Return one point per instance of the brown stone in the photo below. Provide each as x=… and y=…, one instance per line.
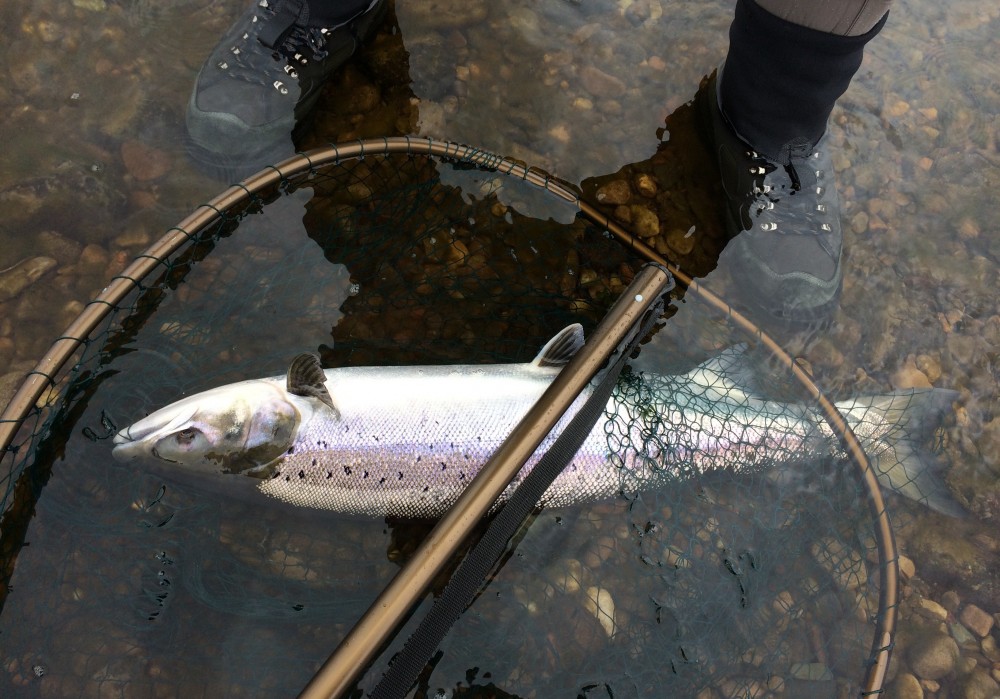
x=934, y=657
x=616, y=192
x=645, y=223
x=976, y=620
x=906, y=686
x=601, y=84
x=680, y=242
x=646, y=185
x=145, y=162
x=16, y=279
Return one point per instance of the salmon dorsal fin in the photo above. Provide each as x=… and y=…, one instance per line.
x=306, y=378
x=560, y=349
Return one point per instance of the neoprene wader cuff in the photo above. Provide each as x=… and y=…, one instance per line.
x=781, y=80
x=326, y=13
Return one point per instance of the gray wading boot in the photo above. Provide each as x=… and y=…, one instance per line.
x=262, y=80
x=765, y=118
x=784, y=224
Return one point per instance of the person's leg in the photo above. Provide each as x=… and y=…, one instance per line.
x=264, y=77
x=843, y=17
x=783, y=78
x=788, y=63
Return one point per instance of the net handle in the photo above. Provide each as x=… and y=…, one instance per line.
x=44, y=373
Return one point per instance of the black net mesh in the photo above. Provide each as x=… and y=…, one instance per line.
x=740, y=559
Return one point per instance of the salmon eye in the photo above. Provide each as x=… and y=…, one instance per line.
x=185, y=437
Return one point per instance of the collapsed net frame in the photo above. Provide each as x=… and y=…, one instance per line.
x=29, y=413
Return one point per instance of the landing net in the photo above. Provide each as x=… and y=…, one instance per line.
x=773, y=578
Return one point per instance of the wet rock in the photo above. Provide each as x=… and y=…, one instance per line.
x=72, y=199
x=906, y=567
x=965, y=665
x=561, y=133
x=386, y=58
x=930, y=686
x=680, y=242
x=363, y=99
x=9, y=383
x=844, y=565
x=645, y=223
x=951, y=601
x=443, y=14
x=980, y=685
x=646, y=185
x=614, y=193
x=6, y=351
x=64, y=250
x=584, y=633
x=990, y=649
x=93, y=260
x=906, y=686
x=598, y=602
x=144, y=162
x=14, y=280
x=859, y=222
x=135, y=236
x=963, y=638
x=989, y=442
x=934, y=656
x=963, y=348
x=938, y=548
x=909, y=376
x=968, y=229
x=600, y=84
x=929, y=365
x=991, y=331
x=976, y=620
x=933, y=609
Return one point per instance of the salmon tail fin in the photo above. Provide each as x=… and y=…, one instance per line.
x=894, y=429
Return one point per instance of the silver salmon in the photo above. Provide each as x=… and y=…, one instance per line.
x=405, y=441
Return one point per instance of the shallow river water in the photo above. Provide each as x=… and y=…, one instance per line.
x=93, y=170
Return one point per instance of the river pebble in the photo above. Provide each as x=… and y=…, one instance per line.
x=934, y=657
x=645, y=223
x=980, y=685
x=907, y=569
x=991, y=650
x=845, y=565
x=14, y=280
x=906, y=686
x=145, y=162
x=614, y=193
x=976, y=620
x=909, y=376
x=598, y=602
x=933, y=609
x=963, y=637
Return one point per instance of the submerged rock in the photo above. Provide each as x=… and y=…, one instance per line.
x=980, y=686
x=976, y=620
x=14, y=280
x=934, y=657
x=906, y=686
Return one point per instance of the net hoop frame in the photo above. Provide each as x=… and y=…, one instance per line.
x=301, y=165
